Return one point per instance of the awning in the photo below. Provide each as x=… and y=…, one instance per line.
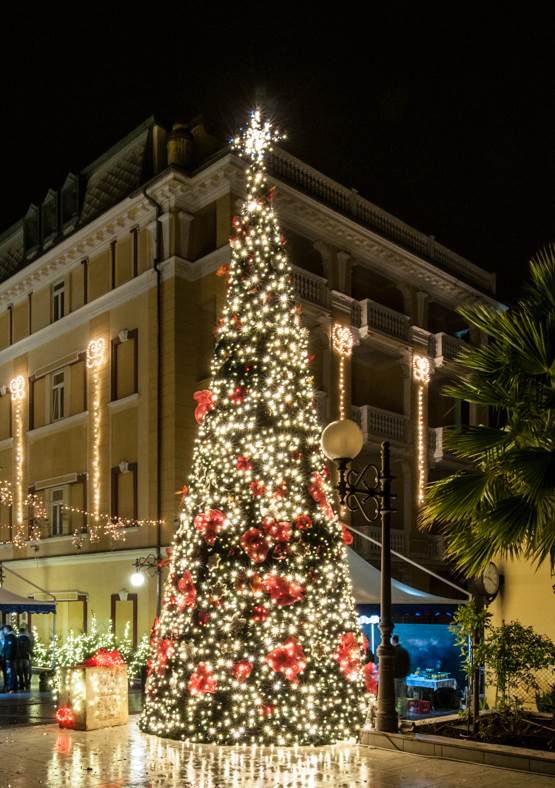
x=366, y=581
x=13, y=603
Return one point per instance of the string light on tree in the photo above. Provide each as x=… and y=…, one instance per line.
x=95, y=362
x=421, y=373
x=342, y=342
x=257, y=609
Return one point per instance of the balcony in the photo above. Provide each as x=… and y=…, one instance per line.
x=437, y=450
x=381, y=424
x=371, y=317
x=310, y=287
x=398, y=540
x=427, y=548
x=446, y=348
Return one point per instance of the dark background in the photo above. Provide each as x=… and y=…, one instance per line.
x=445, y=121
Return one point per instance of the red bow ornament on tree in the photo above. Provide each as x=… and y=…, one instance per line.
x=280, y=531
x=210, y=523
x=202, y=680
x=347, y=654
x=255, y=545
x=283, y=591
x=316, y=490
x=289, y=659
x=205, y=404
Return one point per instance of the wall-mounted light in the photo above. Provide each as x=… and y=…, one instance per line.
x=342, y=343
x=123, y=466
x=123, y=335
x=421, y=373
x=95, y=361
x=3, y=391
x=123, y=594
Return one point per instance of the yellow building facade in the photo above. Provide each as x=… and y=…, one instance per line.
x=109, y=295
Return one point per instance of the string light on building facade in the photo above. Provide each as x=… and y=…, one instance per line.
x=421, y=373
x=17, y=391
x=342, y=343
x=95, y=362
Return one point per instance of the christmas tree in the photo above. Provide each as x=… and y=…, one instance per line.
x=258, y=639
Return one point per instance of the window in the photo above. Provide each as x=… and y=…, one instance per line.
x=57, y=512
x=58, y=301
x=58, y=386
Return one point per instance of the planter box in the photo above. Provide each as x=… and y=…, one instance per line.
x=519, y=758
x=93, y=697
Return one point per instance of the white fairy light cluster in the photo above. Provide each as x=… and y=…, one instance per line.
x=342, y=343
x=17, y=391
x=421, y=372
x=95, y=362
x=258, y=640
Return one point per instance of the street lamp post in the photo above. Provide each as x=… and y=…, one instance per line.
x=369, y=492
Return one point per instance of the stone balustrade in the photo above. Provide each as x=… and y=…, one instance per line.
x=347, y=201
x=380, y=423
x=310, y=287
x=376, y=317
x=447, y=347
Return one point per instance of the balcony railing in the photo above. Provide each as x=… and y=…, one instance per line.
x=383, y=424
x=376, y=317
x=398, y=540
x=348, y=202
x=447, y=347
x=427, y=547
x=310, y=287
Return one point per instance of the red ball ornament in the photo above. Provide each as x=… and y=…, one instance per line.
x=209, y=523
x=255, y=545
x=202, y=680
x=259, y=614
x=242, y=670
x=237, y=396
x=289, y=659
x=281, y=551
x=202, y=617
x=280, y=531
x=205, y=404
x=303, y=521
x=267, y=710
x=243, y=463
x=283, y=591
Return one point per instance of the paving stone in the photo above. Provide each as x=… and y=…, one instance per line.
x=124, y=757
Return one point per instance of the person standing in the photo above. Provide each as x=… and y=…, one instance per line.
x=25, y=654
x=401, y=668
x=10, y=654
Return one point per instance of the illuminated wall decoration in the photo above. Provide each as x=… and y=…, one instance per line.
x=342, y=343
x=95, y=361
x=17, y=391
x=421, y=373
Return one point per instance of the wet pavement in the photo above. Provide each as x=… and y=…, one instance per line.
x=39, y=708
x=123, y=756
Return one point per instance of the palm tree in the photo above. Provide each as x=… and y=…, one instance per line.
x=504, y=502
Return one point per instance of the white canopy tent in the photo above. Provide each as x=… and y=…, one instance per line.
x=366, y=580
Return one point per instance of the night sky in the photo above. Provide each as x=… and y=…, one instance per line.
x=444, y=122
